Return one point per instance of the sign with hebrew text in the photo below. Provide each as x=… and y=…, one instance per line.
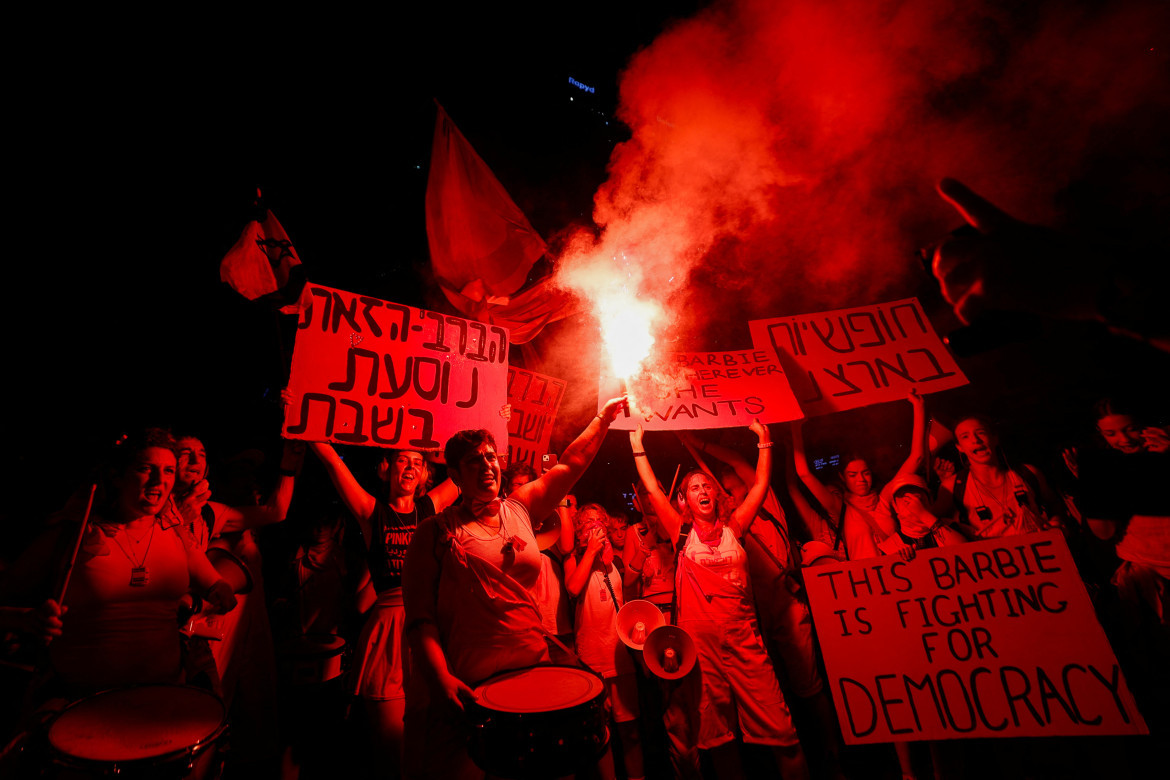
x=848, y=358
x=371, y=372
x=535, y=399
x=995, y=638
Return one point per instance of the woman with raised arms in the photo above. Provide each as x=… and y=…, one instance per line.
x=715, y=607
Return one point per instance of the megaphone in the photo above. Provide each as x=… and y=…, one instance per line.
x=636, y=620
x=669, y=652
x=232, y=569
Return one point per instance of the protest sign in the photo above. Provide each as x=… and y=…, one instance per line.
x=367, y=371
x=848, y=358
x=989, y=639
x=535, y=399
x=706, y=390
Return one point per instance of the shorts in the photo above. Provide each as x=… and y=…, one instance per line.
x=739, y=687
x=376, y=669
x=785, y=620
x=622, y=692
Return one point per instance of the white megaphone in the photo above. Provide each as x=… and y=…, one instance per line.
x=636, y=620
x=669, y=652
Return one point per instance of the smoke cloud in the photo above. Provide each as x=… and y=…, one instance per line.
x=784, y=154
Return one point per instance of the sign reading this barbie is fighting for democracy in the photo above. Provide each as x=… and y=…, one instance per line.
x=372, y=372
x=989, y=639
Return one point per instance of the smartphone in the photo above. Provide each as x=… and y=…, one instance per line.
x=547, y=461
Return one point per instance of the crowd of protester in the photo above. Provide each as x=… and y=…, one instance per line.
x=357, y=641
x=391, y=605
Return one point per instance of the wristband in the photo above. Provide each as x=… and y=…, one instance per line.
x=639, y=454
x=763, y=445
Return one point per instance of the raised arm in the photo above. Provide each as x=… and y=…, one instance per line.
x=736, y=461
x=827, y=498
x=814, y=522
x=275, y=510
x=359, y=503
x=667, y=517
x=745, y=513
x=542, y=495
x=577, y=572
x=443, y=494
x=917, y=458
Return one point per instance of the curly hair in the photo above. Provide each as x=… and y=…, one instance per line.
x=581, y=530
x=464, y=443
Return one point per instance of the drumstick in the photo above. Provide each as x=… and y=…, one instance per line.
x=76, y=545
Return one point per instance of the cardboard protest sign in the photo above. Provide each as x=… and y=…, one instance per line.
x=848, y=358
x=989, y=639
x=535, y=399
x=367, y=371
x=706, y=390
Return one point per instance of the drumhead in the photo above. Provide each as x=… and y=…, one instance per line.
x=141, y=722
x=539, y=689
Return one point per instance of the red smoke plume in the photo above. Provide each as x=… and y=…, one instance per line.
x=783, y=154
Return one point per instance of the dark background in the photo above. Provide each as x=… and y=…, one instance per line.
x=135, y=161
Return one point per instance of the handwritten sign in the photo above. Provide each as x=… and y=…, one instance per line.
x=990, y=639
x=367, y=371
x=535, y=399
x=848, y=358
x=707, y=390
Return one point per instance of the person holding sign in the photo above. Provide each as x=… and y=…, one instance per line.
x=784, y=618
x=471, y=589
x=866, y=531
x=715, y=606
x=387, y=525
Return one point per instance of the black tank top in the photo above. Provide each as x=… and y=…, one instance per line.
x=391, y=533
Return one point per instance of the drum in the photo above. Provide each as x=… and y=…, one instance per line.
x=542, y=721
x=311, y=659
x=147, y=731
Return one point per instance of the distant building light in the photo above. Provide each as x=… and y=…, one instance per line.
x=580, y=86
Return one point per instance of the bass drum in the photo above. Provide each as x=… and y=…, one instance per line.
x=542, y=721
x=143, y=731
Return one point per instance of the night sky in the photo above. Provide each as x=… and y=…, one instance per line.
x=137, y=155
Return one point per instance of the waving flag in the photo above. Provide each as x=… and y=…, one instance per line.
x=482, y=246
x=263, y=265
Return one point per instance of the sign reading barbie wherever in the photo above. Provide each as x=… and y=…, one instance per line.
x=535, y=399
x=367, y=371
x=848, y=358
x=989, y=639
x=706, y=390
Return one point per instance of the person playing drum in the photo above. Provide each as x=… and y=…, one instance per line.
x=715, y=607
x=469, y=590
x=120, y=621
